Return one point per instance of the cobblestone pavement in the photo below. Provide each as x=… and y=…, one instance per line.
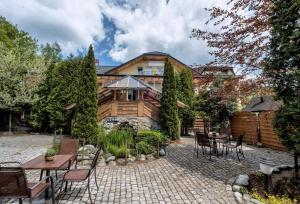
x=179, y=177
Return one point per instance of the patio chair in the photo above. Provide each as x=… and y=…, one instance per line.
x=67, y=146
x=203, y=141
x=13, y=183
x=238, y=146
x=81, y=175
x=196, y=130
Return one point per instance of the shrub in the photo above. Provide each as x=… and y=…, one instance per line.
x=97, y=139
x=143, y=147
x=272, y=199
x=118, y=152
x=153, y=137
x=117, y=142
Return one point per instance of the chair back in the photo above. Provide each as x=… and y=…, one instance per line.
x=13, y=183
x=68, y=146
x=225, y=131
x=202, y=139
x=240, y=139
x=95, y=159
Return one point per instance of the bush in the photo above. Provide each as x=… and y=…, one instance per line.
x=153, y=137
x=118, y=152
x=143, y=147
x=98, y=138
x=272, y=199
x=117, y=142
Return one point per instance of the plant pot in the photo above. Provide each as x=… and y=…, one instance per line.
x=49, y=158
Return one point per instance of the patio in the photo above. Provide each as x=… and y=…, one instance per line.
x=178, y=177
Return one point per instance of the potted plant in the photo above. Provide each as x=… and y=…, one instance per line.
x=49, y=156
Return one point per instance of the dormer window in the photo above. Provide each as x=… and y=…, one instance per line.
x=140, y=70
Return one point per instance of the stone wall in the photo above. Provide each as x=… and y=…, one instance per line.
x=138, y=123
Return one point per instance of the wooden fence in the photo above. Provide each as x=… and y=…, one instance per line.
x=258, y=128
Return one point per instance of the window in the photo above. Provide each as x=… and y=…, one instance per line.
x=140, y=71
x=148, y=71
x=132, y=95
x=160, y=71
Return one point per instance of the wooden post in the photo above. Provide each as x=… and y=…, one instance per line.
x=141, y=105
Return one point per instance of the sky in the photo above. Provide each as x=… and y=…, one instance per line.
x=119, y=30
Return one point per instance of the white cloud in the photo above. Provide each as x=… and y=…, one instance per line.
x=142, y=26
x=156, y=26
x=74, y=24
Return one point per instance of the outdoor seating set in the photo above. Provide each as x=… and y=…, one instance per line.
x=13, y=182
x=217, y=143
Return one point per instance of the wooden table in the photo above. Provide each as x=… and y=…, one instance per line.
x=40, y=163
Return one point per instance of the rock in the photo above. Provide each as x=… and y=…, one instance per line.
x=238, y=197
x=242, y=180
x=254, y=201
x=231, y=181
x=107, y=155
x=150, y=157
x=162, y=152
x=142, y=157
x=131, y=159
x=246, y=197
x=111, y=158
x=121, y=161
x=112, y=163
x=236, y=188
x=90, y=148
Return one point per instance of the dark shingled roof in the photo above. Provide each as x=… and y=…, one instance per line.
x=102, y=69
x=263, y=103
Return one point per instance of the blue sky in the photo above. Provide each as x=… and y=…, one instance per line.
x=118, y=29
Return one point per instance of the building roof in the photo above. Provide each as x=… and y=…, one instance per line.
x=212, y=68
x=154, y=53
x=129, y=82
x=102, y=69
x=263, y=103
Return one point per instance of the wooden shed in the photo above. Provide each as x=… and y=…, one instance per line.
x=256, y=120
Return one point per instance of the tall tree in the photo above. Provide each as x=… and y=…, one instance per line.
x=241, y=35
x=21, y=69
x=168, y=103
x=87, y=102
x=282, y=68
x=186, y=96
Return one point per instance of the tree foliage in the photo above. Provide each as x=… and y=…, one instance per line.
x=87, y=100
x=185, y=94
x=58, y=90
x=168, y=102
x=241, y=34
x=282, y=69
x=21, y=69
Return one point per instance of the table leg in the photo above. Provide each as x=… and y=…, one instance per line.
x=47, y=190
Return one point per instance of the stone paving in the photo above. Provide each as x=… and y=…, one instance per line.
x=179, y=177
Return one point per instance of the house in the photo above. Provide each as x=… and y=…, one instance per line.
x=131, y=91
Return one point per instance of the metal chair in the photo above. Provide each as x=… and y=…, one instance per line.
x=67, y=146
x=80, y=175
x=238, y=146
x=203, y=141
x=13, y=183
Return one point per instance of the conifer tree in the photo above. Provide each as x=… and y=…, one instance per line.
x=186, y=89
x=87, y=101
x=168, y=103
x=282, y=68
